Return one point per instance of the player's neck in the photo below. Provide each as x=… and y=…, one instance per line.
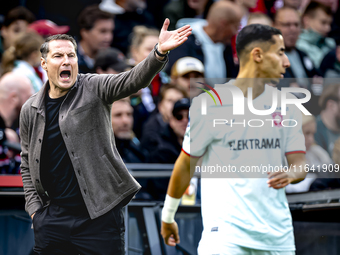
x=248, y=77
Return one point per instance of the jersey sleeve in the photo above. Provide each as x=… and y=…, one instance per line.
x=197, y=135
x=295, y=142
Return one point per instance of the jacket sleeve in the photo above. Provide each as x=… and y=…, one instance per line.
x=112, y=87
x=33, y=202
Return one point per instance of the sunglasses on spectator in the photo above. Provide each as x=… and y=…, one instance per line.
x=181, y=116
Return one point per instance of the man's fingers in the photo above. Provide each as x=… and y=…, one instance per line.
x=177, y=238
x=278, y=183
x=184, y=32
x=274, y=181
x=171, y=241
x=273, y=174
x=181, y=29
x=277, y=175
x=169, y=233
x=182, y=39
x=281, y=184
x=166, y=24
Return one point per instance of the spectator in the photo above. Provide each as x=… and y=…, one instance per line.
x=172, y=136
x=246, y=6
x=259, y=18
x=316, y=157
x=333, y=182
x=313, y=40
x=23, y=57
x=15, y=23
x=122, y=122
x=330, y=65
x=96, y=33
x=185, y=69
x=302, y=70
x=210, y=41
x=159, y=120
x=170, y=145
x=333, y=4
x=133, y=13
x=288, y=21
x=328, y=122
x=46, y=28
x=14, y=91
x=110, y=61
x=176, y=10
x=142, y=43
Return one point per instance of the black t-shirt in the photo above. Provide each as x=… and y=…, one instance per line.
x=56, y=170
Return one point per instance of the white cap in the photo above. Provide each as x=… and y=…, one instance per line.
x=186, y=65
x=111, y=7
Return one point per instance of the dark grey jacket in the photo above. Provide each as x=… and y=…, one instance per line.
x=85, y=124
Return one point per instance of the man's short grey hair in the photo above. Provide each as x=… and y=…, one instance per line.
x=44, y=49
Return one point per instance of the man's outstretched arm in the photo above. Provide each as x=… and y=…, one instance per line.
x=179, y=181
x=113, y=87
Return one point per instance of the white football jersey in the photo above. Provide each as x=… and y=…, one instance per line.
x=238, y=151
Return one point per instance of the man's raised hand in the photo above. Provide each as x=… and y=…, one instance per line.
x=169, y=40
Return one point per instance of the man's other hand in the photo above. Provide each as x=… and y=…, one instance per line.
x=169, y=233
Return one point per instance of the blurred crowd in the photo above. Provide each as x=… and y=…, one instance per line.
x=114, y=36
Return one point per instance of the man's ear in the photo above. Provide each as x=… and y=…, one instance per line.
x=257, y=55
x=43, y=63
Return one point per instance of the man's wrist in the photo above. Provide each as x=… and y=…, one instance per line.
x=159, y=52
x=169, y=209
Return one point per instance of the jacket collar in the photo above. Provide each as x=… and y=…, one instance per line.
x=39, y=101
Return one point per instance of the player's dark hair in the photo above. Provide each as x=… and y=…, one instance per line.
x=313, y=6
x=18, y=13
x=255, y=33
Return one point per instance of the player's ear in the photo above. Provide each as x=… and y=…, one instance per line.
x=257, y=55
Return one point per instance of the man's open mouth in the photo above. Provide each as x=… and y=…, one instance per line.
x=65, y=75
